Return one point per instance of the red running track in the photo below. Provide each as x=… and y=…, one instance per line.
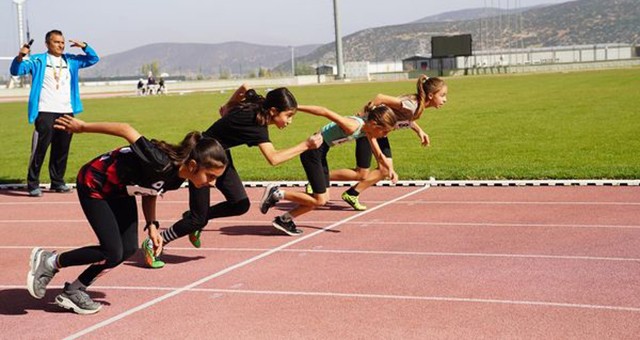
x=437, y=263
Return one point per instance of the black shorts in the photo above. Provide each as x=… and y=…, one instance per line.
x=229, y=184
x=316, y=167
x=363, y=151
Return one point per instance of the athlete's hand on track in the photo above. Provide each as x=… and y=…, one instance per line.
x=156, y=238
x=393, y=177
x=69, y=124
x=386, y=166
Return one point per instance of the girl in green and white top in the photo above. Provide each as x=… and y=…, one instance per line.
x=376, y=122
x=430, y=92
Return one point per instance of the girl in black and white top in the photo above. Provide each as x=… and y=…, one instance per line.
x=245, y=119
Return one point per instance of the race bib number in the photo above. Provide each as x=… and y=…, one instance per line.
x=403, y=124
x=135, y=190
x=341, y=141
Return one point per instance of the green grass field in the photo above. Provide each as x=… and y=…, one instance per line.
x=582, y=125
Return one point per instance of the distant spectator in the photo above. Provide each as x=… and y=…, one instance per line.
x=141, y=87
x=151, y=80
x=151, y=83
x=161, y=88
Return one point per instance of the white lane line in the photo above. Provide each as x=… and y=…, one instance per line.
x=433, y=298
x=373, y=296
x=376, y=252
x=222, y=223
x=430, y=202
x=520, y=202
x=232, y=268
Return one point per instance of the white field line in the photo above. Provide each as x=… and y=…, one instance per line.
x=427, y=202
x=451, y=299
x=376, y=252
x=222, y=223
x=232, y=268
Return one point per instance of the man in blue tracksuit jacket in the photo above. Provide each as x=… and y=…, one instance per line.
x=54, y=91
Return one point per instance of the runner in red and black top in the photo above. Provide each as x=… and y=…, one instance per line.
x=111, y=175
x=107, y=187
x=245, y=120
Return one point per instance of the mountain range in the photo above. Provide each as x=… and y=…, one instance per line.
x=194, y=60
x=582, y=22
x=578, y=22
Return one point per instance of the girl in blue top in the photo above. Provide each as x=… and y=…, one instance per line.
x=375, y=123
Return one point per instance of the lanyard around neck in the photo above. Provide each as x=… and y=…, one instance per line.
x=57, y=75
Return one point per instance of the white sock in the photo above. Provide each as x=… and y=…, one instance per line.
x=278, y=194
x=286, y=217
x=51, y=262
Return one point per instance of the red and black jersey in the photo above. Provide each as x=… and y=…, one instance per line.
x=138, y=169
x=238, y=127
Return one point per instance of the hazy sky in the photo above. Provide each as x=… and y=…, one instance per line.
x=118, y=25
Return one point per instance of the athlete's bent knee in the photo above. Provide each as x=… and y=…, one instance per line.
x=240, y=207
x=361, y=174
x=114, y=258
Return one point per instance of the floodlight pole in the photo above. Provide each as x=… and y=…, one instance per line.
x=338, y=41
x=20, y=21
x=293, y=63
x=18, y=80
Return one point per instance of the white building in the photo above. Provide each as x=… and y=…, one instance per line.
x=549, y=55
x=366, y=70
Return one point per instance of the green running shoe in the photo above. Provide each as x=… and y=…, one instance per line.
x=149, y=256
x=308, y=189
x=194, y=238
x=353, y=202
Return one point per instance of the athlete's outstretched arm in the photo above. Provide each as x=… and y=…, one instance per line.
x=275, y=157
x=393, y=102
x=348, y=125
x=74, y=125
